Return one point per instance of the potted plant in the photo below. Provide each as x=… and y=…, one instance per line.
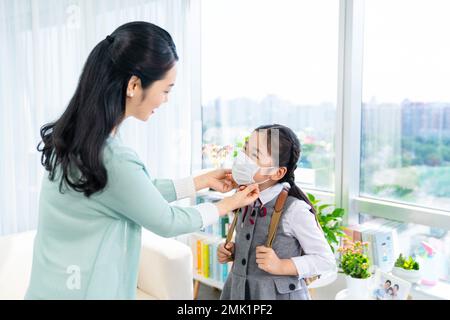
x=330, y=221
x=407, y=269
x=355, y=264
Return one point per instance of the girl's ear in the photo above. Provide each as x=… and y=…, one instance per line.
x=279, y=174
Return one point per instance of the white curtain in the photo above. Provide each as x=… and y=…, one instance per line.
x=44, y=46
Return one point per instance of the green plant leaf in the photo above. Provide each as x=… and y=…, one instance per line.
x=311, y=197
x=333, y=237
x=324, y=206
x=338, y=212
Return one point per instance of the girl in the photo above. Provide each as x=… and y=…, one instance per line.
x=299, y=250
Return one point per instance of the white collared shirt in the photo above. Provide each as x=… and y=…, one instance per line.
x=299, y=222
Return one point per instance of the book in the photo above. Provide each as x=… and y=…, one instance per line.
x=382, y=238
x=205, y=259
x=199, y=256
x=211, y=259
x=217, y=265
x=219, y=229
x=224, y=273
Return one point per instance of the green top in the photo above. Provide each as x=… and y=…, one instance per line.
x=88, y=248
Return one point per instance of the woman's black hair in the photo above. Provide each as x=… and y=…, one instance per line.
x=74, y=143
x=289, y=154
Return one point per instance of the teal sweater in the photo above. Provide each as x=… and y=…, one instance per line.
x=88, y=248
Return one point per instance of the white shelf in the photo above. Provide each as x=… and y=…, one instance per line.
x=214, y=194
x=208, y=281
x=208, y=235
x=441, y=291
x=344, y=295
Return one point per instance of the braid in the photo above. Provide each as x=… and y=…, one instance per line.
x=295, y=155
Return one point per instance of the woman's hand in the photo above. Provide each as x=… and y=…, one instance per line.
x=268, y=261
x=219, y=180
x=243, y=197
x=225, y=252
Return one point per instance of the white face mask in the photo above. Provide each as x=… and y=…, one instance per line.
x=244, y=170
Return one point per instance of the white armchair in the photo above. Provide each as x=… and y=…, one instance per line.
x=165, y=270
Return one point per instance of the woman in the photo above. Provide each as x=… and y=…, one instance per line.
x=98, y=193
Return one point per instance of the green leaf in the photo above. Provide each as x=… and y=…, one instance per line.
x=333, y=237
x=311, y=197
x=338, y=212
x=324, y=206
x=340, y=233
x=407, y=264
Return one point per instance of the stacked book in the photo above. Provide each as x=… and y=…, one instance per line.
x=205, y=258
x=218, y=229
x=204, y=244
x=382, y=238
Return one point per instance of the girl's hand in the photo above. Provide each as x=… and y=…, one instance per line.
x=268, y=261
x=242, y=198
x=225, y=252
x=219, y=180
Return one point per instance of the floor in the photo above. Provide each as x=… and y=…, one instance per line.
x=208, y=293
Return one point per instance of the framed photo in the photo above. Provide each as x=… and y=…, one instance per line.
x=389, y=287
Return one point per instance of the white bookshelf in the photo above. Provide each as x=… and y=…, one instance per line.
x=189, y=239
x=208, y=281
x=197, y=277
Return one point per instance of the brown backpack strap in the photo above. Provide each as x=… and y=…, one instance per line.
x=276, y=216
x=232, y=227
x=275, y=220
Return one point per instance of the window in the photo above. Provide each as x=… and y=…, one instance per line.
x=405, y=145
x=272, y=62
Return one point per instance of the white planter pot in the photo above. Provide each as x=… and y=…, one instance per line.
x=412, y=276
x=358, y=289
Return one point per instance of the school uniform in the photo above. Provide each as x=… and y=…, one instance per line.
x=298, y=237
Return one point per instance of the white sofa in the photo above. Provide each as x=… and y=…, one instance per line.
x=165, y=270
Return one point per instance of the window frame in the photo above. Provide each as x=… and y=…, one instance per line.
x=347, y=142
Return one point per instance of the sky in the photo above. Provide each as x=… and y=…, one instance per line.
x=254, y=48
x=407, y=50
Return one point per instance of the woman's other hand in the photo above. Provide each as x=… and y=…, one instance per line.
x=219, y=180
